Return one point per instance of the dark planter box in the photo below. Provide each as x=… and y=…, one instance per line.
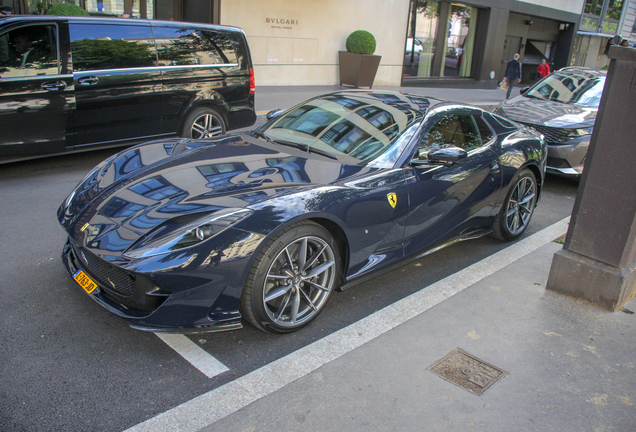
x=358, y=70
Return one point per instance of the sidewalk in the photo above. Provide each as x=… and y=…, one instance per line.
x=274, y=97
x=570, y=367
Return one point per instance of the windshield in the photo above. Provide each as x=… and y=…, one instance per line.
x=570, y=87
x=358, y=129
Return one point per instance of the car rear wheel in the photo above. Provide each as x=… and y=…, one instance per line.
x=203, y=123
x=292, y=279
x=516, y=212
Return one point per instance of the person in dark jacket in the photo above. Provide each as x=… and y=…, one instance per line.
x=513, y=73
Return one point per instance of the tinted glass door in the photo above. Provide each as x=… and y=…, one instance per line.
x=196, y=62
x=448, y=201
x=35, y=98
x=117, y=84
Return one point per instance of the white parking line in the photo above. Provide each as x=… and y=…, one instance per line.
x=212, y=406
x=198, y=357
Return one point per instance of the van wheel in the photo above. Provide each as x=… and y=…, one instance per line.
x=203, y=123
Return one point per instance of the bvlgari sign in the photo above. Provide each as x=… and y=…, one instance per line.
x=281, y=23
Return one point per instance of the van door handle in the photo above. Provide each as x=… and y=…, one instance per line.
x=53, y=86
x=88, y=81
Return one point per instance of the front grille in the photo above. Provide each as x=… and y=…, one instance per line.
x=109, y=276
x=552, y=135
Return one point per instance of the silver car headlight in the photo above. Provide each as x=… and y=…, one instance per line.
x=188, y=236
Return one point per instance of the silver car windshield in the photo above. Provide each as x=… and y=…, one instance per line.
x=570, y=88
x=354, y=129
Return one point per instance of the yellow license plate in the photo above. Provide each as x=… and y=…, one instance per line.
x=84, y=281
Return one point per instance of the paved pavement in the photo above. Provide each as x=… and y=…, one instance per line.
x=540, y=361
x=274, y=97
x=568, y=367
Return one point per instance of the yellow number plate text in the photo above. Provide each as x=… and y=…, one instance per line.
x=84, y=281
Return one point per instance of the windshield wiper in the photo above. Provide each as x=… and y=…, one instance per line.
x=262, y=135
x=306, y=148
x=322, y=153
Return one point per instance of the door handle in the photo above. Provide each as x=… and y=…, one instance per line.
x=494, y=167
x=88, y=81
x=53, y=86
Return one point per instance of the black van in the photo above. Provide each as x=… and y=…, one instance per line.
x=76, y=83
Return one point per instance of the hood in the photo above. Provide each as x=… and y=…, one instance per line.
x=171, y=183
x=543, y=112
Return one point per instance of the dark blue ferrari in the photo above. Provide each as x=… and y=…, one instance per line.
x=188, y=235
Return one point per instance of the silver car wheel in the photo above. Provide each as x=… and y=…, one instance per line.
x=299, y=281
x=521, y=205
x=206, y=126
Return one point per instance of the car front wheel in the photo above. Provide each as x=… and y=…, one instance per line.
x=292, y=279
x=516, y=212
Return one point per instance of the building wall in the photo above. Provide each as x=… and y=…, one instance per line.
x=300, y=40
x=629, y=13
x=574, y=6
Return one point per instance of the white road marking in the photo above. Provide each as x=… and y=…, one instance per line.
x=197, y=356
x=216, y=404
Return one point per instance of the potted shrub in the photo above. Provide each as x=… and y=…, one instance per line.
x=66, y=9
x=358, y=65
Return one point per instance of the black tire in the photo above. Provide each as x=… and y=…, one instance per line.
x=203, y=123
x=282, y=296
x=516, y=212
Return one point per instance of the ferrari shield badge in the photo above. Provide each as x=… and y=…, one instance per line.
x=392, y=197
x=86, y=225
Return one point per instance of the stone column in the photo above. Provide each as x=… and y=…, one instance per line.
x=598, y=261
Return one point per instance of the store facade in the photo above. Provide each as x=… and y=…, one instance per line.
x=601, y=22
x=422, y=42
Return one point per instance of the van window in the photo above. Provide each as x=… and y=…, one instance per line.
x=188, y=46
x=29, y=51
x=98, y=47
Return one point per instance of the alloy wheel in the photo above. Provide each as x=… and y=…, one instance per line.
x=521, y=205
x=206, y=126
x=299, y=281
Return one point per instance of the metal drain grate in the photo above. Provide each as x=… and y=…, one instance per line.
x=467, y=371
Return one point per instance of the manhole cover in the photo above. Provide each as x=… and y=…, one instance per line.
x=467, y=371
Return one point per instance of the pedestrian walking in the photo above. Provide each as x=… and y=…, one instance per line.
x=543, y=70
x=513, y=73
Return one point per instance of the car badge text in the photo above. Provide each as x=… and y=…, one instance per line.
x=392, y=197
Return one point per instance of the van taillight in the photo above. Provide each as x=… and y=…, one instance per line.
x=252, y=82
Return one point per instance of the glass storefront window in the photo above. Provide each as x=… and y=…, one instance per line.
x=455, y=49
x=98, y=7
x=420, y=44
x=593, y=19
x=460, y=41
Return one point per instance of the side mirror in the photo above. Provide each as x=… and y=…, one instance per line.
x=274, y=113
x=448, y=155
x=524, y=90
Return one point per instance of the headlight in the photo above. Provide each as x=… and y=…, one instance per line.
x=190, y=235
x=574, y=133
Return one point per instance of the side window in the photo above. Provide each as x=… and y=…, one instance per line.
x=97, y=47
x=188, y=46
x=484, y=130
x=29, y=51
x=451, y=130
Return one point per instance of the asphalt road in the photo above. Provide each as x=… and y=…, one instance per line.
x=66, y=364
